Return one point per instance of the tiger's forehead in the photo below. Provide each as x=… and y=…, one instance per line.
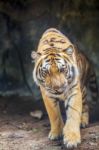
x=53, y=39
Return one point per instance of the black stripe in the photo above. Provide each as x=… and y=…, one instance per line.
x=84, y=111
x=52, y=39
x=54, y=47
x=92, y=76
x=92, y=81
x=94, y=89
x=58, y=55
x=57, y=58
x=84, y=96
x=39, y=70
x=84, y=103
x=55, y=92
x=58, y=41
x=48, y=60
x=71, y=97
x=46, y=49
x=58, y=93
x=55, y=100
x=73, y=86
x=73, y=108
x=66, y=59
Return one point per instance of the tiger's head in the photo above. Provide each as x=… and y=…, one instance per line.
x=54, y=71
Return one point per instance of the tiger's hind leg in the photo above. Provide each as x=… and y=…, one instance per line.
x=85, y=109
x=93, y=87
x=85, y=116
x=53, y=110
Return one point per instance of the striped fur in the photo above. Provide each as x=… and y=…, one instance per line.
x=64, y=73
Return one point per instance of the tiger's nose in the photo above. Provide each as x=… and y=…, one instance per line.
x=60, y=88
x=56, y=87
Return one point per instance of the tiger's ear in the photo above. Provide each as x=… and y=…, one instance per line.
x=35, y=55
x=69, y=50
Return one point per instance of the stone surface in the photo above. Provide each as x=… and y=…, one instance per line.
x=20, y=131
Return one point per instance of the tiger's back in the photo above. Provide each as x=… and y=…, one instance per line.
x=53, y=38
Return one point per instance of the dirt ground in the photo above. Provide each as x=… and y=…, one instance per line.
x=20, y=131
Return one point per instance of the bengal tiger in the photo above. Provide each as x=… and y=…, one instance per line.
x=63, y=73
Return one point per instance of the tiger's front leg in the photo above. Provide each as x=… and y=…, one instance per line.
x=71, y=129
x=54, y=114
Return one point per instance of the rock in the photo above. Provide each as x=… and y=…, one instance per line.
x=37, y=114
x=21, y=25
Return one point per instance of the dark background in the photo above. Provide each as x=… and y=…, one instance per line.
x=22, y=23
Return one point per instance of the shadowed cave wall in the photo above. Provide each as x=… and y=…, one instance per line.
x=22, y=23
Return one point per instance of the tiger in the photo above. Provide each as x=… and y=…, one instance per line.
x=64, y=73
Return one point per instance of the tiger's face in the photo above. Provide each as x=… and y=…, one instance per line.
x=54, y=70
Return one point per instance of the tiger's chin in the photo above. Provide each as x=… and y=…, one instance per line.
x=56, y=95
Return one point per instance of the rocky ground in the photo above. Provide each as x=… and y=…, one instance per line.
x=20, y=131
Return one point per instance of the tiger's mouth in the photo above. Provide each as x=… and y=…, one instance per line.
x=61, y=89
x=56, y=90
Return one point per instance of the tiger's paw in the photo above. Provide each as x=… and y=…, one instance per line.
x=84, y=124
x=71, y=139
x=53, y=135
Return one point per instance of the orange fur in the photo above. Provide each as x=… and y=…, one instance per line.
x=62, y=72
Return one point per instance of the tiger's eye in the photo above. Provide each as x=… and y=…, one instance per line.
x=64, y=66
